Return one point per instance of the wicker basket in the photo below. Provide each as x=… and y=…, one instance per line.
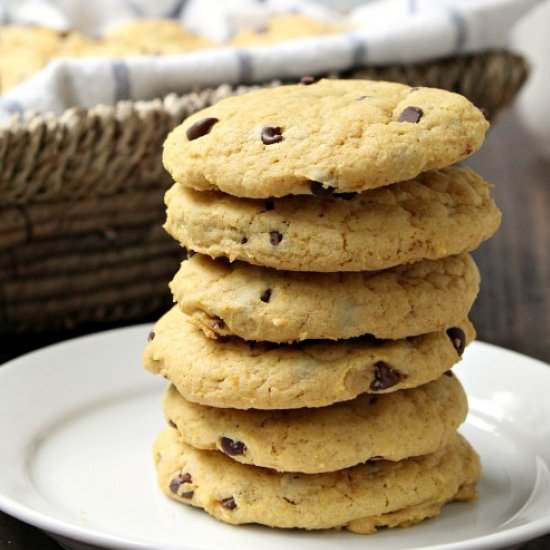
x=81, y=197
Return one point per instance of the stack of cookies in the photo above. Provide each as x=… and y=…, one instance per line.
x=326, y=301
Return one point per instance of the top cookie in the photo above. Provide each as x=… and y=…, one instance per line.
x=332, y=136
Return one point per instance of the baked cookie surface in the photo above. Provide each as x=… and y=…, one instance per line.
x=243, y=375
x=438, y=214
x=332, y=136
x=153, y=36
x=284, y=27
x=24, y=50
x=361, y=499
x=393, y=426
x=258, y=303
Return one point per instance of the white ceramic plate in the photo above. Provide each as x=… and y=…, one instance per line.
x=77, y=421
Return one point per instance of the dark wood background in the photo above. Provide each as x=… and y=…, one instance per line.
x=513, y=309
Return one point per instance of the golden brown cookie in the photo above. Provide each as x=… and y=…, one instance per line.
x=332, y=136
x=243, y=375
x=24, y=51
x=284, y=27
x=258, y=303
x=153, y=36
x=361, y=499
x=393, y=426
x=438, y=214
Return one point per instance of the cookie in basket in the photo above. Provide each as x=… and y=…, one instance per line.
x=284, y=27
x=24, y=50
x=153, y=36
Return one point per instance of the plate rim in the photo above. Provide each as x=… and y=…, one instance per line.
x=96, y=537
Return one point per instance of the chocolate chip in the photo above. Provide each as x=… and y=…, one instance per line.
x=187, y=494
x=275, y=238
x=361, y=97
x=271, y=134
x=244, y=240
x=186, y=478
x=290, y=501
x=232, y=447
x=384, y=376
x=175, y=485
x=269, y=205
x=178, y=481
x=172, y=423
x=151, y=336
x=345, y=196
x=458, y=339
x=485, y=113
x=468, y=150
x=200, y=128
x=266, y=295
x=411, y=114
x=218, y=322
x=449, y=373
x=229, y=503
x=319, y=190
x=307, y=80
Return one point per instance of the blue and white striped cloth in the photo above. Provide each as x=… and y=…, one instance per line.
x=386, y=31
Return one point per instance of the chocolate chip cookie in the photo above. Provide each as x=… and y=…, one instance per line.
x=284, y=27
x=328, y=137
x=361, y=499
x=438, y=214
x=393, y=426
x=244, y=375
x=258, y=303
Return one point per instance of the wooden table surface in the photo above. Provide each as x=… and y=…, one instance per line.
x=513, y=309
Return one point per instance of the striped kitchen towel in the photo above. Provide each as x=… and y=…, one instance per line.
x=384, y=32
